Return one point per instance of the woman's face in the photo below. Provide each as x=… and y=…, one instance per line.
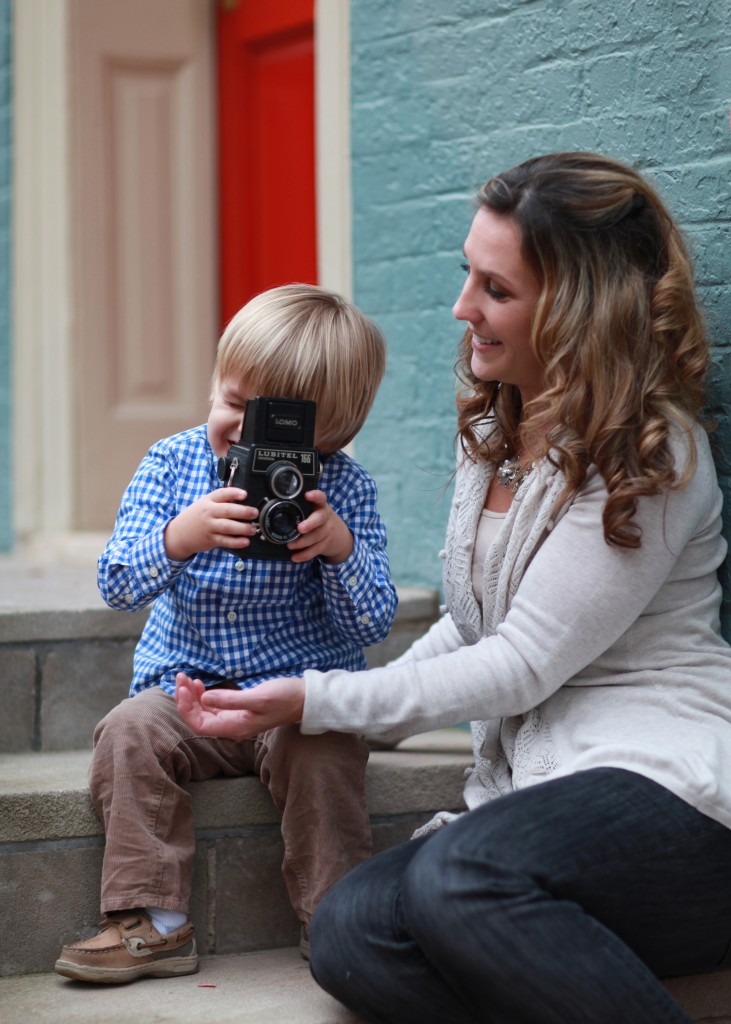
x=498, y=303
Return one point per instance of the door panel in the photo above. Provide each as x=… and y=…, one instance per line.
x=267, y=212
x=142, y=234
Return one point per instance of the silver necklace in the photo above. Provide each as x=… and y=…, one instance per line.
x=509, y=474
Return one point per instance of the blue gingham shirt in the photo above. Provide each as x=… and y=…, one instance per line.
x=219, y=617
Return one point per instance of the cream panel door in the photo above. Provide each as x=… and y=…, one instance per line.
x=142, y=236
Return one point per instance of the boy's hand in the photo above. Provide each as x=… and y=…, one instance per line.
x=323, y=534
x=239, y=714
x=215, y=520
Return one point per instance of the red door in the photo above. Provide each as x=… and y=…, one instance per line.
x=266, y=124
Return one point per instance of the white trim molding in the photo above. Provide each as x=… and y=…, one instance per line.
x=42, y=371
x=332, y=120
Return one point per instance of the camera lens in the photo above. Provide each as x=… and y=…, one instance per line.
x=284, y=479
x=278, y=521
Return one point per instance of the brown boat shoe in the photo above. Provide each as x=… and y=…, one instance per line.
x=128, y=947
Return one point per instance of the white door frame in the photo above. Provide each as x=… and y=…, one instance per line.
x=42, y=284
x=332, y=120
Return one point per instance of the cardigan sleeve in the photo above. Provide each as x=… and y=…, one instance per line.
x=441, y=638
x=577, y=598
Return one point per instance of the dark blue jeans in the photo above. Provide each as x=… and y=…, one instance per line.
x=560, y=904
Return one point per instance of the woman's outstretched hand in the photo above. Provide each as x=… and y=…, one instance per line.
x=239, y=714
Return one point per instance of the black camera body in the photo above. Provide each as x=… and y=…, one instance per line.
x=275, y=462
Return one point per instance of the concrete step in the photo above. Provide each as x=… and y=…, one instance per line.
x=51, y=845
x=50, y=863
x=57, y=637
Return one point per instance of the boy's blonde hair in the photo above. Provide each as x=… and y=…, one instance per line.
x=302, y=341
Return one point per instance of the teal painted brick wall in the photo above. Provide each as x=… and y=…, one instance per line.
x=6, y=80
x=443, y=96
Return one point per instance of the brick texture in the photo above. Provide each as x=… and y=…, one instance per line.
x=446, y=95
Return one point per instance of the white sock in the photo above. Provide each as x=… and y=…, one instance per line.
x=166, y=921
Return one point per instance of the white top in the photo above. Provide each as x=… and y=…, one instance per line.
x=583, y=655
x=488, y=528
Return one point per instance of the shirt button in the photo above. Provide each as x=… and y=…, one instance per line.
x=239, y=566
x=365, y=618
x=353, y=581
x=232, y=616
x=154, y=572
x=128, y=598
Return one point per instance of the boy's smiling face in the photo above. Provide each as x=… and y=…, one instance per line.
x=227, y=415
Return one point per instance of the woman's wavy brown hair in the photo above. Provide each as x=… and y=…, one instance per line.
x=617, y=329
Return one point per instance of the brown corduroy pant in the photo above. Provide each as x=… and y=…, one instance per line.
x=144, y=754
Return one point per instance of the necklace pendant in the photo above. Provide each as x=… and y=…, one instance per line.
x=510, y=474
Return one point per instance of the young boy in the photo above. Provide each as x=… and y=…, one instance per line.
x=235, y=621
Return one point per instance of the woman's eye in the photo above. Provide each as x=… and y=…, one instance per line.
x=494, y=292
x=489, y=287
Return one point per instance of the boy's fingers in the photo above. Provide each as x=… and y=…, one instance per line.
x=236, y=512
x=316, y=497
x=228, y=494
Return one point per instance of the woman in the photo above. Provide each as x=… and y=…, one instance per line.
x=582, y=637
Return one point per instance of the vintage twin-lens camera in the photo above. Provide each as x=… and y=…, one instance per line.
x=275, y=462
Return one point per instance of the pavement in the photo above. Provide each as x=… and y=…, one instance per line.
x=268, y=987
x=271, y=987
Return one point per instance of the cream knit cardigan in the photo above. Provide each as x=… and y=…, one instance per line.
x=583, y=655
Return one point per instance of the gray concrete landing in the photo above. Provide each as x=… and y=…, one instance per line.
x=272, y=987
x=269, y=987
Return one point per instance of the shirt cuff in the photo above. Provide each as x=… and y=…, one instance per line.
x=152, y=568
x=355, y=575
